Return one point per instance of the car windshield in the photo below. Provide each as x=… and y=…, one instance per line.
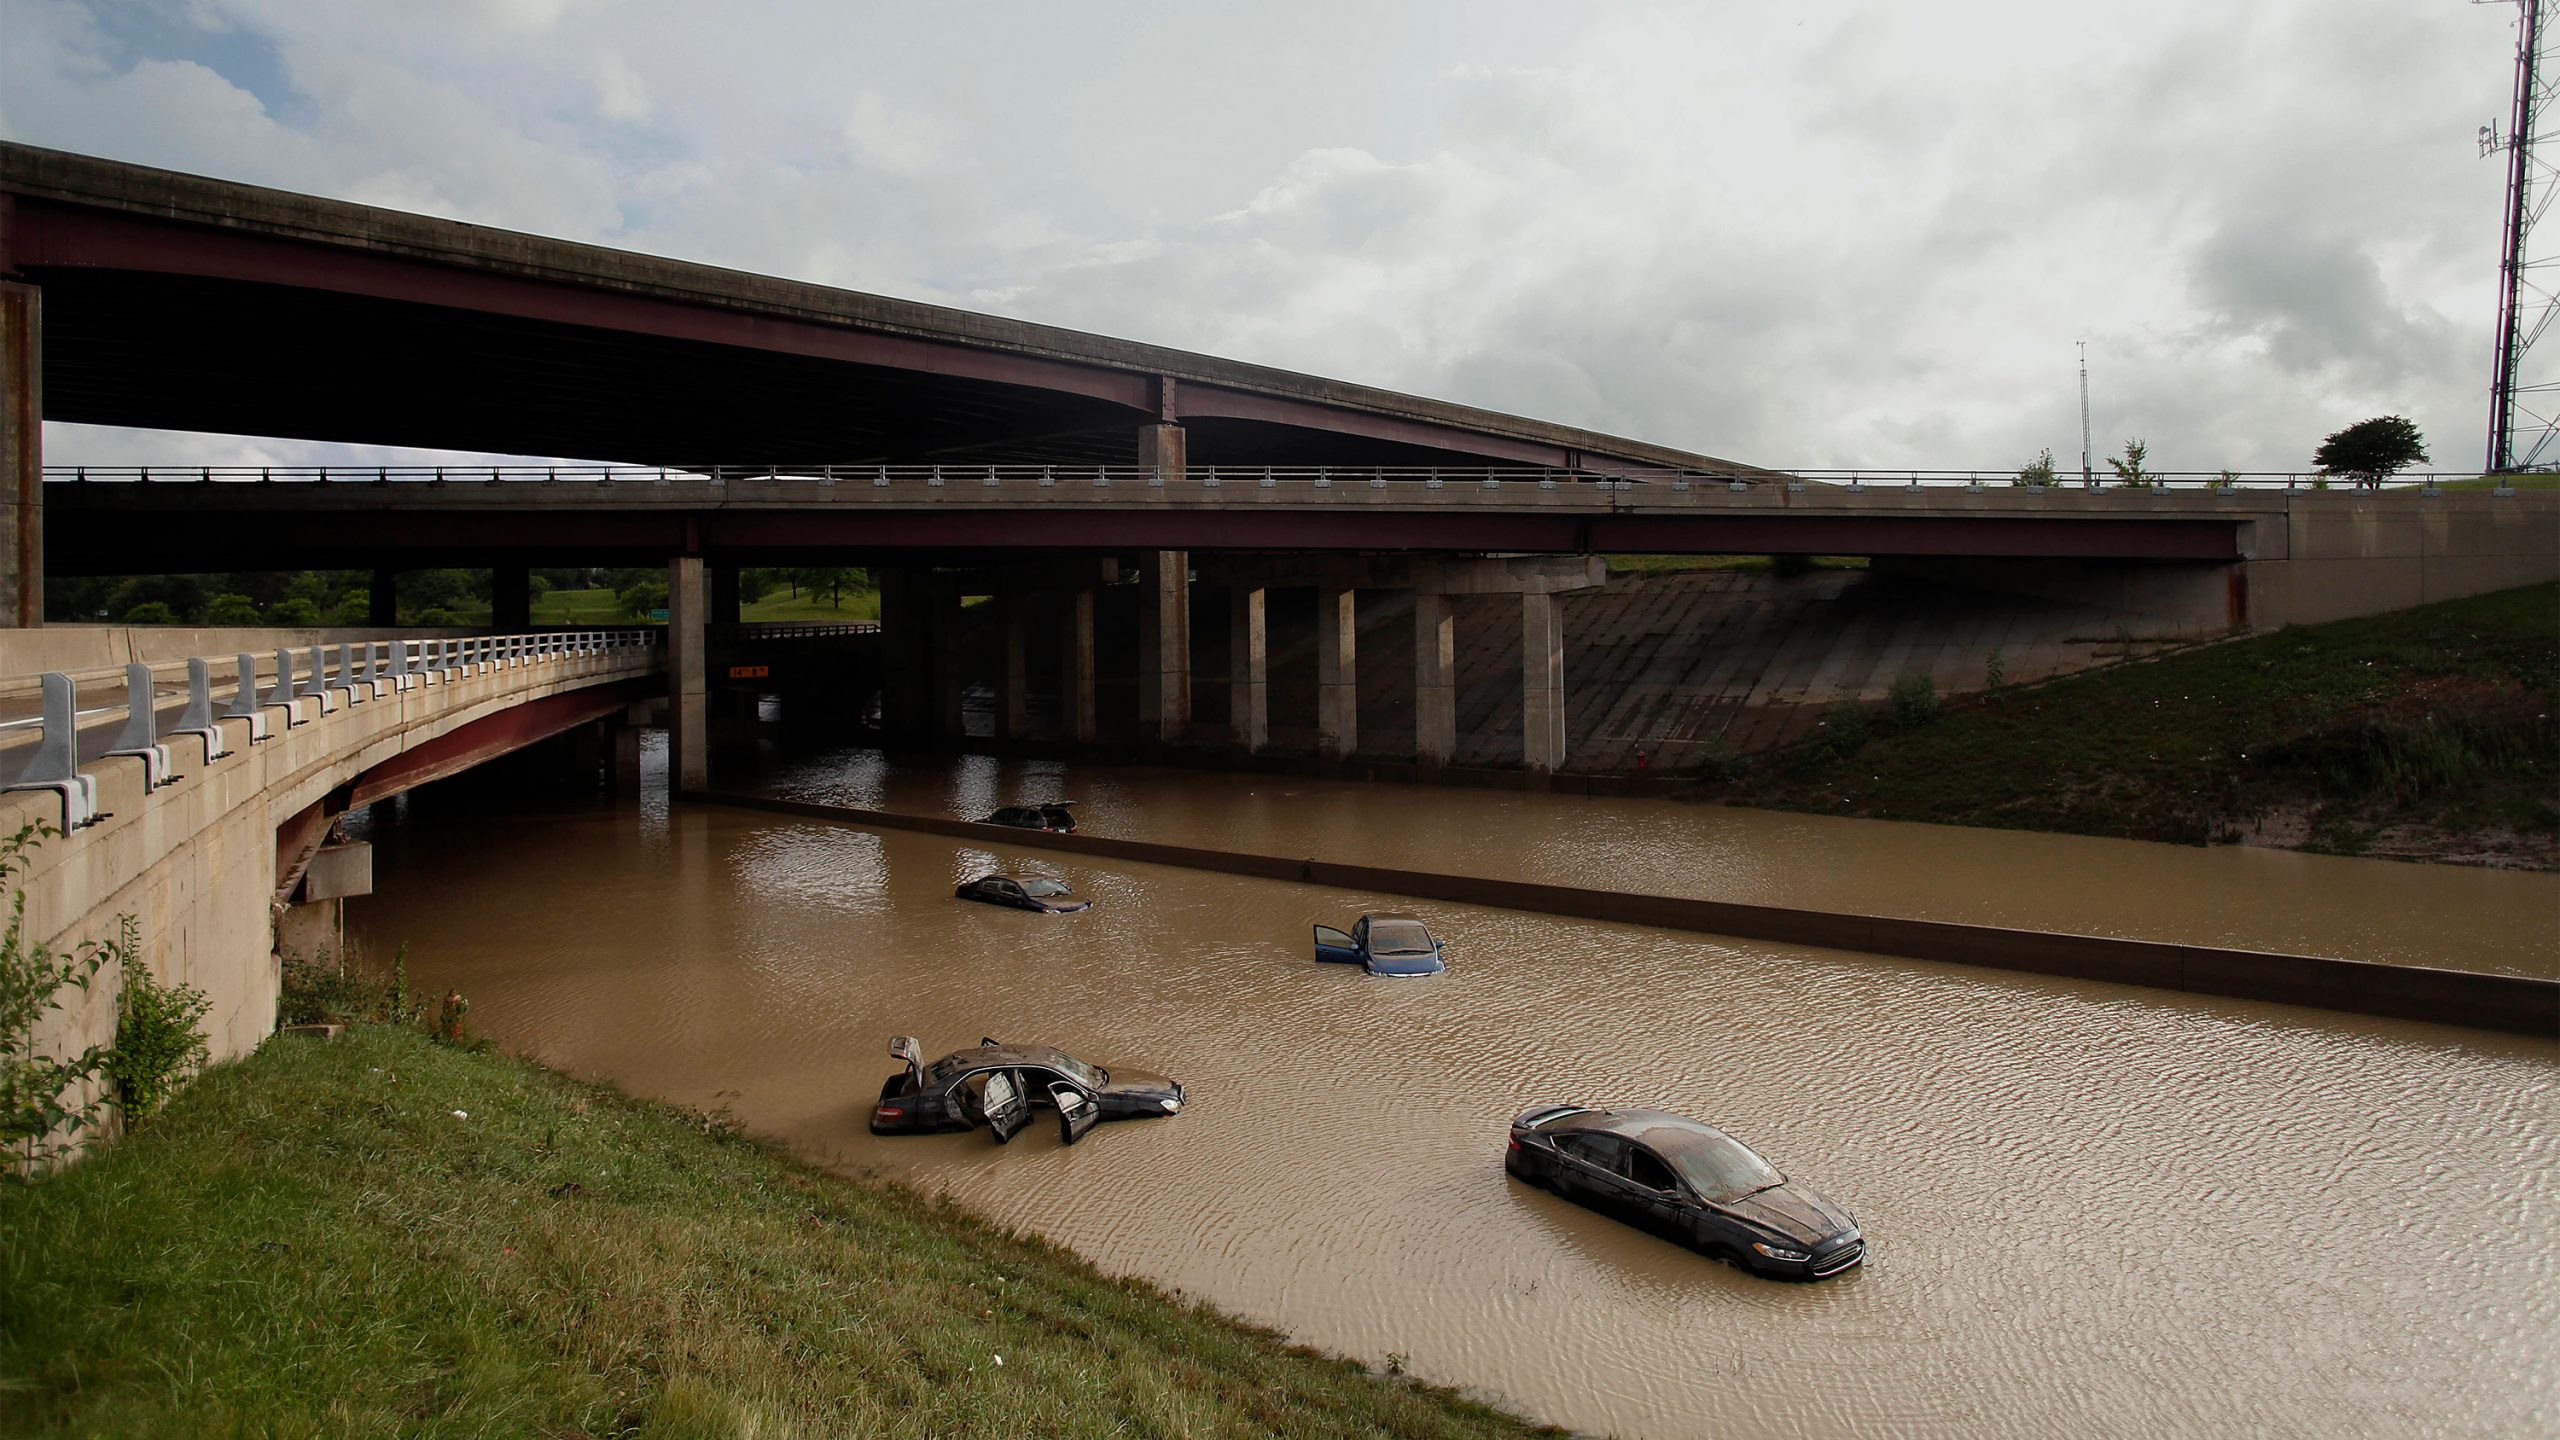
x=1398, y=936
x=1042, y=889
x=1717, y=1166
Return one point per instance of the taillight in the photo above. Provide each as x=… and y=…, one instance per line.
x=1515, y=1142
x=892, y=1112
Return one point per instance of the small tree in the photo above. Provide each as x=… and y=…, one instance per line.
x=2037, y=474
x=231, y=610
x=2129, y=468
x=2370, y=451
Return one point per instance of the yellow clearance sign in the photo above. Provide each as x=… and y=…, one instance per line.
x=748, y=672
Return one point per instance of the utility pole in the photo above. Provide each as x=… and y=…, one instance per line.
x=2087, y=481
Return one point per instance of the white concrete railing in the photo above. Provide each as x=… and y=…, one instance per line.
x=332, y=677
x=1598, y=481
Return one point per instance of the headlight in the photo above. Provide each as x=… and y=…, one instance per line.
x=1779, y=1252
x=1172, y=1105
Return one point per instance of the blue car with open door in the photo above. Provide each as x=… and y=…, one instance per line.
x=1383, y=945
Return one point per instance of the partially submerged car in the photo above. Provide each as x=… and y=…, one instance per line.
x=1057, y=816
x=1023, y=892
x=999, y=1085
x=1383, y=945
x=1687, y=1182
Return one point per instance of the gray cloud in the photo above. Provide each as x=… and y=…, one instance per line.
x=1865, y=235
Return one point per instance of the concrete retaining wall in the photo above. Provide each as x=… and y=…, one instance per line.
x=2330, y=558
x=2515, y=1004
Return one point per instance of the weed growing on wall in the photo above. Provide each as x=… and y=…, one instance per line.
x=37, y=1121
x=157, y=1043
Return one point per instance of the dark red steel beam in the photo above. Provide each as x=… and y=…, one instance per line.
x=491, y=736
x=51, y=234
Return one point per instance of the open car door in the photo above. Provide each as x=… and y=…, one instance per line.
x=1007, y=1108
x=1336, y=946
x=1077, y=1111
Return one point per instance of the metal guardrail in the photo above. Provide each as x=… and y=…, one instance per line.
x=363, y=672
x=790, y=630
x=1609, y=480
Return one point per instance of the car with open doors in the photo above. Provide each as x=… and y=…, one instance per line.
x=1383, y=945
x=1687, y=1182
x=1057, y=815
x=1023, y=892
x=998, y=1085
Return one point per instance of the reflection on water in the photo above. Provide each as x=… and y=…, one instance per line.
x=2248, y=898
x=2093, y=1208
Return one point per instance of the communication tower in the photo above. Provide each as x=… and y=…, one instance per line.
x=2523, y=422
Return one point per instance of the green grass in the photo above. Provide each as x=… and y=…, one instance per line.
x=2438, y=719
x=599, y=607
x=309, y=1242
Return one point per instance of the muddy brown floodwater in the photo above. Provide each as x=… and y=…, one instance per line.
x=2093, y=1209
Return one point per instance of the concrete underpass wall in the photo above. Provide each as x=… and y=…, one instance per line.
x=195, y=862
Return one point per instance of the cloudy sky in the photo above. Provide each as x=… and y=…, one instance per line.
x=1859, y=234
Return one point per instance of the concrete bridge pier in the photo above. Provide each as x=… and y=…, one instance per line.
x=1435, y=687
x=21, y=454
x=1076, y=670
x=1013, y=687
x=1248, y=667
x=688, y=678
x=1337, y=670
x=1541, y=683
x=1164, y=646
x=941, y=609
x=511, y=596
x=382, y=605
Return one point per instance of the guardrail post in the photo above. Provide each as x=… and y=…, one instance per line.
x=140, y=737
x=314, y=685
x=244, y=705
x=54, y=765
x=285, y=694
x=197, y=719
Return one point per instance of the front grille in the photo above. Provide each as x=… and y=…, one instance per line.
x=1840, y=1259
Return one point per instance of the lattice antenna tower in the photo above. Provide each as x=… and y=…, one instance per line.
x=2524, y=421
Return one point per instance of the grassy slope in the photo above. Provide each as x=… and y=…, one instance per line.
x=599, y=607
x=310, y=1243
x=2427, y=732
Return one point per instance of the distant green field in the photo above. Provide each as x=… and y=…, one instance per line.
x=599, y=607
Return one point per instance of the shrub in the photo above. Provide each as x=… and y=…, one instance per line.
x=1915, y=701
x=2037, y=474
x=437, y=615
x=35, y=1119
x=151, y=612
x=293, y=610
x=157, y=1043
x=1719, y=763
x=327, y=989
x=1995, y=669
x=1845, y=727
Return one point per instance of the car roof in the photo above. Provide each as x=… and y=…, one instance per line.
x=1375, y=916
x=1644, y=1126
x=1008, y=875
x=977, y=1055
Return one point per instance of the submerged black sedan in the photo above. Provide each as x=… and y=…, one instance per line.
x=1686, y=1182
x=999, y=1085
x=1023, y=892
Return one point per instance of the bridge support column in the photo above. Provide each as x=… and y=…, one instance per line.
x=21, y=455
x=383, y=605
x=688, y=699
x=1164, y=646
x=949, y=721
x=1541, y=683
x=1013, y=690
x=511, y=596
x=1435, y=690
x=1248, y=668
x=1337, y=671
x=1076, y=677
x=905, y=659
x=724, y=594
x=623, y=778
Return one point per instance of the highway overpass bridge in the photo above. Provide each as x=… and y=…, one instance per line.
x=768, y=421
